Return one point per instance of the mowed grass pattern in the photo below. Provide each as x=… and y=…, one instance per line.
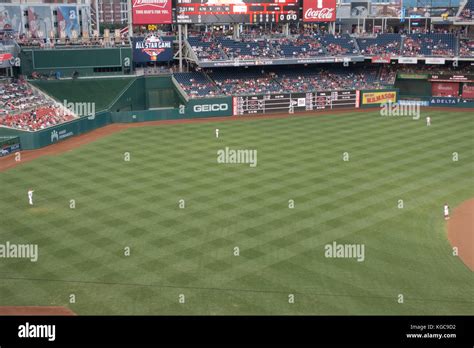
x=190, y=251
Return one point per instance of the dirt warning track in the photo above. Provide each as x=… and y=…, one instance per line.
x=461, y=232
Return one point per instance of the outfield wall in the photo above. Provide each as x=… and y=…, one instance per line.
x=216, y=107
x=194, y=108
x=36, y=140
x=130, y=105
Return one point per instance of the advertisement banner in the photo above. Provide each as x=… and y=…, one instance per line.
x=435, y=61
x=5, y=57
x=67, y=21
x=40, y=21
x=6, y=60
x=207, y=107
x=373, y=98
x=468, y=92
x=407, y=60
x=152, y=49
x=151, y=12
x=319, y=10
x=414, y=102
x=437, y=101
x=7, y=149
x=453, y=77
x=10, y=18
x=381, y=59
x=445, y=89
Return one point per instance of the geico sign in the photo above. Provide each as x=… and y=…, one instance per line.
x=210, y=107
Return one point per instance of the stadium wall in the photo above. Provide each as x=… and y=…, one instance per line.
x=39, y=139
x=101, y=92
x=129, y=104
x=104, y=61
x=134, y=103
x=161, y=92
x=195, y=108
x=146, y=93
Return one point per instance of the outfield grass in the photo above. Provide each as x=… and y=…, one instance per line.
x=190, y=251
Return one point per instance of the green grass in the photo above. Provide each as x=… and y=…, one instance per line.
x=190, y=251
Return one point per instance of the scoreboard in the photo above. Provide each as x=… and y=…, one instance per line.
x=236, y=11
x=296, y=102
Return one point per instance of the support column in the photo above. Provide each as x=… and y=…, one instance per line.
x=236, y=33
x=97, y=17
x=180, y=47
x=130, y=19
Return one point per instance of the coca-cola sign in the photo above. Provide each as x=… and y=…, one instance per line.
x=319, y=10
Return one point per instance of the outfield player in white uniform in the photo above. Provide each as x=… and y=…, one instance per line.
x=217, y=132
x=30, y=196
x=446, y=211
x=428, y=121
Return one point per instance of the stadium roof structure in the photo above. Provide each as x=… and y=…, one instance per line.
x=465, y=5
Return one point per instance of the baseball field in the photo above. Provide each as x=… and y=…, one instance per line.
x=150, y=220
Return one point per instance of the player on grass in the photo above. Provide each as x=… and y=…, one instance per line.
x=30, y=196
x=446, y=211
x=428, y=121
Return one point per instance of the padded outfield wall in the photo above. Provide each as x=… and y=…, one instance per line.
x=36, y=140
